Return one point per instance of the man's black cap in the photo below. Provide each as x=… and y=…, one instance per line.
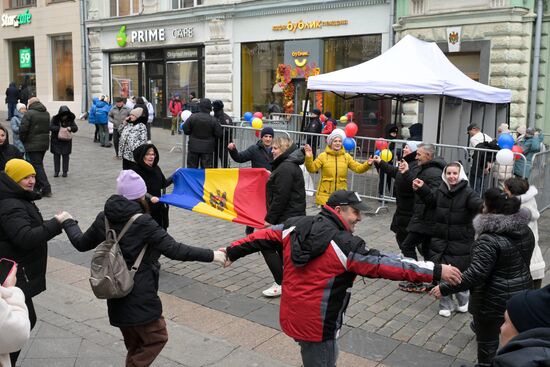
x=472, y=126
x=316, y=111
x=349, y=198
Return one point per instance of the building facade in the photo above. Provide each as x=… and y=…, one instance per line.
x=489, y=40
x=40, y=47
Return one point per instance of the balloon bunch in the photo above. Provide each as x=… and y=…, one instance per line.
x=255, y=120
x=351, y=130
x=508, y=151
x=184, y=116
x=382, y=150
x=347, y=117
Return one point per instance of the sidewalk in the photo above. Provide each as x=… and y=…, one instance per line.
x=382, y=325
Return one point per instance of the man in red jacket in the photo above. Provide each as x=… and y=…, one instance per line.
x=321, y=260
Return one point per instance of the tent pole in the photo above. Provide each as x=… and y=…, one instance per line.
x=439, y=118
x=395, y=114
x=304, y=111
x=508, y=114
x=483, y=117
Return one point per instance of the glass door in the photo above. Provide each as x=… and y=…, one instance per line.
x=155, y=87
x=182, y=77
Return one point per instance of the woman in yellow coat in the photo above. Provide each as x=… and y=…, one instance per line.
x=334, y=163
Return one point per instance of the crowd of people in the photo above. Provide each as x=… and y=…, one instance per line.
x=484, y=250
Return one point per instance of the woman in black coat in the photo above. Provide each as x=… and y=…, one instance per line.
x=454, y=204
x=498, y=270
x=139, y=314
x=62, y=147
x=146, y=157
x=24, y=235
x=7, y=151
x=286, y=198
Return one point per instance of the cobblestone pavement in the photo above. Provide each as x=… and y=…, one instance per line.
x=383, y=324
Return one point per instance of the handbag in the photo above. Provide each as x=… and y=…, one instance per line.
x=64, y=134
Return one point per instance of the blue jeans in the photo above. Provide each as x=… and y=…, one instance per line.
x=11, y=109
x=319, y=354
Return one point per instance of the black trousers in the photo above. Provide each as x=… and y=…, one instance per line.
x=37, y=160
x=32, y=319
x=57, y=163
x=487, y=338
x=274, y=261
x=116, y=140
x=400, y=236
x=413, y=239
x=202, y=159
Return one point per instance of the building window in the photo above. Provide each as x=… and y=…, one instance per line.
x=13, y=4
x=62, y=68
x=180, y=4
x=58, y=1
x=120, y=8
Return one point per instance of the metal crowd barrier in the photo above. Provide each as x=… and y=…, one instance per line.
x=371, y=185
x=540, y=178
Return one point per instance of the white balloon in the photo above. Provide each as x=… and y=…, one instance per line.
x=505, y=157
x=185, y=115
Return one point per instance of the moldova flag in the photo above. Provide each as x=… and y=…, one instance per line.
x=233, y=194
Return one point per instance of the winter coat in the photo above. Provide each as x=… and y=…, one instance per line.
x=175, y=107
x=285, y=190
x=203, y=130
x=499, y=267
x=118, y=115
x=321, y=259
x=530, y=146
x=257, y=154
x=334, y=171
x=530, y=348
x=537, y=261
x=99, y=113
x=7, y=150
x=12, y=94
x=15, y=126
x=64, y=118
x=454, y=208
x=330, y=125
x=404, y=194
x=24, y=235
x=227, y=133
x=154, y=180
x=421, y=220
x=25, y=94
x=35, y=128
x=416, y=131
x=14, y=323
x=132, y=135
x=142, y=305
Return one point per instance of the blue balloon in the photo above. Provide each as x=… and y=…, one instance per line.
x=349, y=144
x=377, y=152
x=248, y=116
x=506, y=141
x=181, y=126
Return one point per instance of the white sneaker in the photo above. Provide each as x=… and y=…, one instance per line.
x=462, y=309
x=445, y=313
x=273, y=291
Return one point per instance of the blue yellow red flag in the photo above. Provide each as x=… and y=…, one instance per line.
x=233, y=194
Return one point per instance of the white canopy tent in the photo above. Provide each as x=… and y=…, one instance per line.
x=414, y=68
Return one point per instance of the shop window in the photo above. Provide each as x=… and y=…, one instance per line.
x=180, y=4
x=120, y=8
x=14, y=4
x=125, y=80
x=62, y=65
x=58, y=1
x=182, y=78
x=22, y=65
x=259, y=62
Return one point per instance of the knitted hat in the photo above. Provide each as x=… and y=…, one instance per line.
x=267, y=131
x=32, y=100
x=137, y=112
x=18, y=169
x=530, y=131
x=130, y=185
x=19, y=106
x=413, y=145
x=336, y=133
x=529, y=309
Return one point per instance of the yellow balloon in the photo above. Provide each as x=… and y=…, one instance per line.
x=344, y=119
x=386, y=155
x=257, y=123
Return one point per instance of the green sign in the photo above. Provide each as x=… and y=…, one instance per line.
x=121, y=36
x=25, y=60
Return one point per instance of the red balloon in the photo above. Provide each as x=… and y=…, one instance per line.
x=381, y=144
x=350, y=116
x=259, y=115
x=351, y=129
x=258, y=133
x=517, y=149
x=323, y=118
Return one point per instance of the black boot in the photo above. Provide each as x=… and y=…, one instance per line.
x=486, y=351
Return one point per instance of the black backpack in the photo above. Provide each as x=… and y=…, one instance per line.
x=482, y=157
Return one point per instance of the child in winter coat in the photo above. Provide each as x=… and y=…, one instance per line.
x=520, y=188
x=455, y=205
x=333, y=163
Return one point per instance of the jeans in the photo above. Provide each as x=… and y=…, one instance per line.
x=103, y=135
x=116, y=140
x=57, y=163
x=144, y=342
x=204, y=159
x=11, y=110
x=446, y=302
x=37, y=160
x=148, y=125
x=319, y=354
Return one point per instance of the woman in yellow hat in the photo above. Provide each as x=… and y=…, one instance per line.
x=24, y=235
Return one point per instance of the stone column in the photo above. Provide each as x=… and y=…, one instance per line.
x=218, y=63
